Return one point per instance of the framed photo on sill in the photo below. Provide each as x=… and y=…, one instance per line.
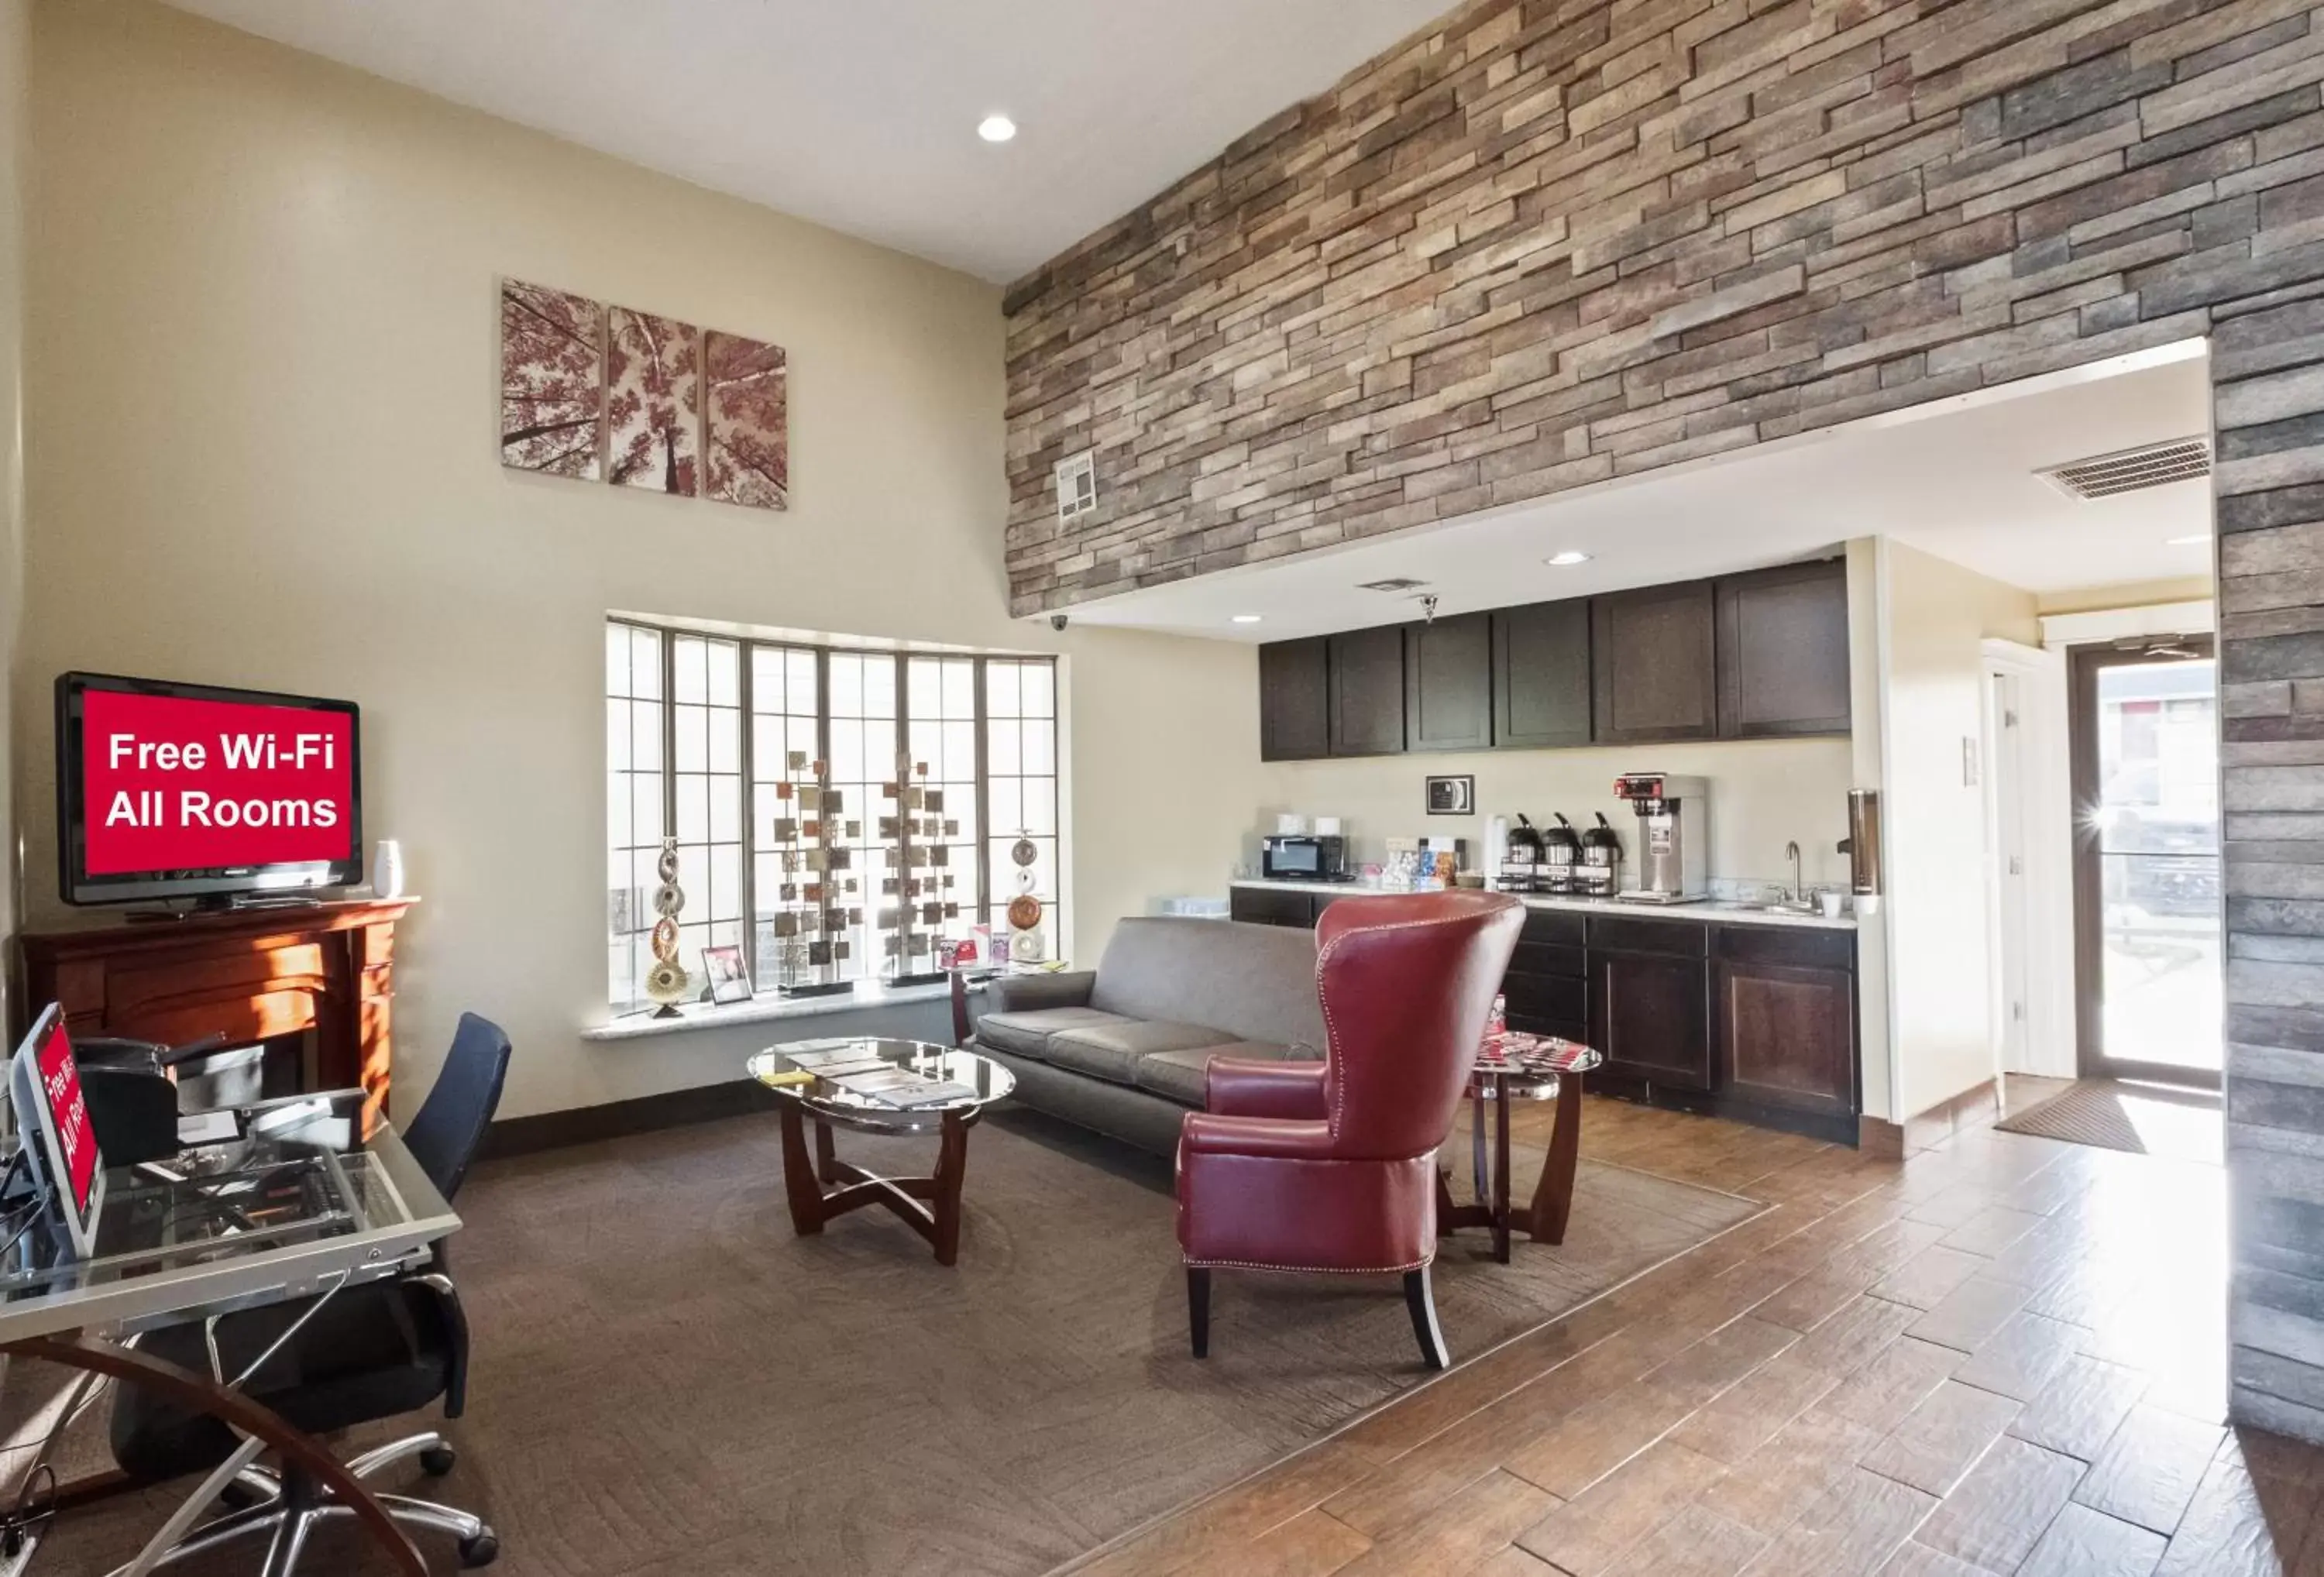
x=723, y=967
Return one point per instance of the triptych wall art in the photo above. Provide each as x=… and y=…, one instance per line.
x=613, y=394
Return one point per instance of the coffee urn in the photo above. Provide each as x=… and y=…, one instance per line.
x=1600, y=872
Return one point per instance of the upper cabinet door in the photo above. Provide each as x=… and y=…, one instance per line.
x=1541, y=675
x=1783, y=652
x=1448, y=684
x=1652, y=664
x=1366, y=684
x=1294, y=701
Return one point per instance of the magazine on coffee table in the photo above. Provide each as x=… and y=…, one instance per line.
x=926, y=1094
x=836, y=1071
x=838, y=1051
x=876, y=1081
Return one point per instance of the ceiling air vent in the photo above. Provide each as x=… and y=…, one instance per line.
x=1401, y=583
x=2149, y=465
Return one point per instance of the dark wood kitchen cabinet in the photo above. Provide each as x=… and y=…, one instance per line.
x=1448, y=684
x=1275, y=905
x=1541, y=675
x=1294, y=700
x=1649, y=1000
x=1783, y=652
x=1652, y=664
x=1367, y=691
x=1785, y=1020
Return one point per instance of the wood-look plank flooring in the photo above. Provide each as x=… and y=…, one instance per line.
x=2002, y=1355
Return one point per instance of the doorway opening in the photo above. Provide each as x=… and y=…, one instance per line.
x=2149, y=950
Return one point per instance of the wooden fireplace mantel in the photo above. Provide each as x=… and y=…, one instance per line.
x=249, y=974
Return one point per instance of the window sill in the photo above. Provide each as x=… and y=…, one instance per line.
x=767, y=1010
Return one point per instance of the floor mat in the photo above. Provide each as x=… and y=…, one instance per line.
x=2147, y=1120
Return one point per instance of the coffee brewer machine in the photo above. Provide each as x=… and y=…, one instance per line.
x=1674, y=837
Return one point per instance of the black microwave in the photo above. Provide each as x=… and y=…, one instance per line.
x=1305, y=857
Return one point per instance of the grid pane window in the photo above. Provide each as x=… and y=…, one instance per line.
x=862, y=720
x=701, y=736
x=707, y=782
x=940, y=698
x=783, y=723
x=633, y=803
x=1020, y=768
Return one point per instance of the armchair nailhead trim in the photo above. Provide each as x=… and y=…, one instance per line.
x=1307, y=1269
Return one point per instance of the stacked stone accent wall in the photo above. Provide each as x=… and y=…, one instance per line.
x=1550, y=242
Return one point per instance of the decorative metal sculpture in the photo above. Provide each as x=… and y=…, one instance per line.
x=667, y=982
x=1027, y=944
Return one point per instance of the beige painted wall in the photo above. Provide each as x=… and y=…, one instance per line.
x=2142, y=593
x=1763, y=794
x=1936, y=614
x=1867, y=744
x=262, y=452
x=14, y=159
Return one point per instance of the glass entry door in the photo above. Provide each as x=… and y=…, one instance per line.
x=2147, y=888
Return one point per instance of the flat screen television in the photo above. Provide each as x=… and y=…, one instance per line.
x=170, y=791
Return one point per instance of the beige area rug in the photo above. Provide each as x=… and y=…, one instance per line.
x=668, y=1380
x=2146, y=1119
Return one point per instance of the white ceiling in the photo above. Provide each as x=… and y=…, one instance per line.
x=1955, y=478
x=862, y=114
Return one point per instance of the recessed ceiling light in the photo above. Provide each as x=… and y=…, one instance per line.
x=2187, y=541
x=1244, y=619
x=1566, y=559
x=996, y=128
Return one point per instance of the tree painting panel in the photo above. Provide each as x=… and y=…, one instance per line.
x=552, y=380
x=653, y=371
x=749, y=421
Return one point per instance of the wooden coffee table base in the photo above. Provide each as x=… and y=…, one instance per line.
x=1544, y=1219
x=822, y=1185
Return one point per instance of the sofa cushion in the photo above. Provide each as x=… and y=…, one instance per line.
x=1177, y=1075
x=1255, y=982
x=1112, y=1052
x=1027, y=1033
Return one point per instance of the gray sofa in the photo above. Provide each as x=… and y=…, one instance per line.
x=1121, y=1048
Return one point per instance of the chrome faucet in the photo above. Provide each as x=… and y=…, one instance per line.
x=1799, y=872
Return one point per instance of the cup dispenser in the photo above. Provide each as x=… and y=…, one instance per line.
x=1862, y=847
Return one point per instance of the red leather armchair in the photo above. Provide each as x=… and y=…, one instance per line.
x=1330, y=1167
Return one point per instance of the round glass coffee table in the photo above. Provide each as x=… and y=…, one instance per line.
x=876, y=1085
x=1522, y=1067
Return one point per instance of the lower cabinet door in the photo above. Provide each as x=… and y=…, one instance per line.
x=1261, y=906
x=1650, y=1017
x=1787, y=1034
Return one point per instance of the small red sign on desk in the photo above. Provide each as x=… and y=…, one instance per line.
x=76, y=1140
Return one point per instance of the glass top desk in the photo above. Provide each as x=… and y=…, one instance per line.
x=296, y=1201
x=292, y=1200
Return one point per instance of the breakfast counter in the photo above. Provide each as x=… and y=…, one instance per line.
x=1709, y=911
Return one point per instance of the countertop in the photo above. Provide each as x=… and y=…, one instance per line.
x=1709, y=911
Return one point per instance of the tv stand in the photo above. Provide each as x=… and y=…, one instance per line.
x=225, y=903
x=250, y=975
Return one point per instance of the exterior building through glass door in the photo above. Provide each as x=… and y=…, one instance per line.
x=2146, y=770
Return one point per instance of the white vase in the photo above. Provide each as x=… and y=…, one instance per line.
x=387, y=868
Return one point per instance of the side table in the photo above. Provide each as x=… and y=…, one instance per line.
x=1553, y=1072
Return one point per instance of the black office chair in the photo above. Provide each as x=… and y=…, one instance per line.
x=368, y=1352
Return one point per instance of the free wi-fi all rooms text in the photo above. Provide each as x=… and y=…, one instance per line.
x=193, y=808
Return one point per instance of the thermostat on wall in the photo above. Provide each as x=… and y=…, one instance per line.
x=1077, y=485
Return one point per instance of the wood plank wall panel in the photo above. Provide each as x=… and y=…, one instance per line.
x=1549, y=242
